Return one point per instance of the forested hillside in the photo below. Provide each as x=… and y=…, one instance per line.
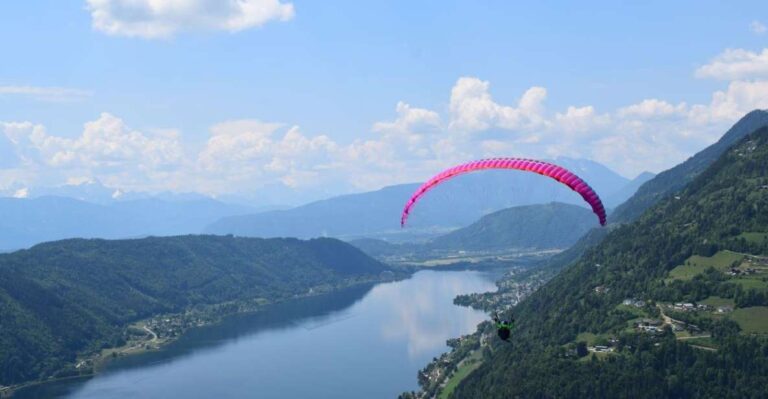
x=667, y=256
x=553, y=225
x=60, y=298
x=537, y=227
x=661, y=186
x=670, y=181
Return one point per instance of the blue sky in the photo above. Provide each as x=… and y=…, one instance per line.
x=332, y=73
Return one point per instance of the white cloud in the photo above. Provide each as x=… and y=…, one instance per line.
x=735, y=64
x=106, y=150
x=581, y=119
x=152, y=19
x=757, y=27
x=473, y=109
x=52, y=94
x=652, y=108
x=253, y=151
x=243, y=156
x=739, y=98
x=21, y=193
x=408, y=120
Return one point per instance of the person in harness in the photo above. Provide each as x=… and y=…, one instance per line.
x=503, y=327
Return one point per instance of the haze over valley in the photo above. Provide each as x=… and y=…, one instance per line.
x=284, y=199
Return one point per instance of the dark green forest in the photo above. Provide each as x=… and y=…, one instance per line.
x=633, y=261
x=61, y=298
x=553, y=225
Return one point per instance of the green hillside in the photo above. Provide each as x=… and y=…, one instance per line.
x=61, y=298
x=709, y=215
x=543, y=226
x=673, y=180
x=553, y=225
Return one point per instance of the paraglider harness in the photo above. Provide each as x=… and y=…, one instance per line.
x=503, y=327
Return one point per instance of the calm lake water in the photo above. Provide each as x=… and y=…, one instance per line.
x=364, y=342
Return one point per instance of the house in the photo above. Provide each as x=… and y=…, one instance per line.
x=650, y=325
x=724, y=309
x=633, y=302
x=601, y=289
x=600, y=349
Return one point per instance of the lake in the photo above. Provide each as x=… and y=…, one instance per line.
x=363, y=342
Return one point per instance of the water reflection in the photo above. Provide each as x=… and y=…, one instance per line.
x=416, y=310
x=357, y=343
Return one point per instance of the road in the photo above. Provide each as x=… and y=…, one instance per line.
x=142, y=343
x=669, y=321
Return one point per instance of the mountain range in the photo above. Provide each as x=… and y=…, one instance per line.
x=29, y=221
x=454, y=204
x=528, y=227
x=92, y=210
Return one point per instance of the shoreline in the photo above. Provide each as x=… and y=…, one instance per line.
x=467, y=351
x=98, y=362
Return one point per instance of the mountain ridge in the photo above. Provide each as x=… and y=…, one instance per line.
x=456, y=203
x=29, y=221
x=633, y=261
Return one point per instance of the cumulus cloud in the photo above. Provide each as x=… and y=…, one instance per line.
x=728, y=105
x=150, y=19
x=652, y=108
x=255, y=151
x=408, y=120
x=736, y=64
x=473, y=109
x=246, y=155
x=581, y=119
x=21, y=193
x=757, y=27
x=52, y=94
x=107, y=149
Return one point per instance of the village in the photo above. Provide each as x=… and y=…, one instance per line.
x=513, y=287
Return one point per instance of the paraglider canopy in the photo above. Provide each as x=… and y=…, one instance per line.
x=550, y=170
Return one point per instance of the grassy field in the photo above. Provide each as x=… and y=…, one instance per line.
x=635, y=311
x=630, y=325
x=751, y=283
x=716, y=301
x=752, y=320
x=756, y=238
x=682, y=334
x=703, y=341
x=587, y=337
x=460, y=374
x=697, y=264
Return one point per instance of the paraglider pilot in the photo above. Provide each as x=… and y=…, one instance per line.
x=503, y=327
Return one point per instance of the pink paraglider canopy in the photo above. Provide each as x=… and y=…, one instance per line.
x=543, y=168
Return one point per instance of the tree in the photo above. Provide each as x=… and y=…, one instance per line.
x=581, y=349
